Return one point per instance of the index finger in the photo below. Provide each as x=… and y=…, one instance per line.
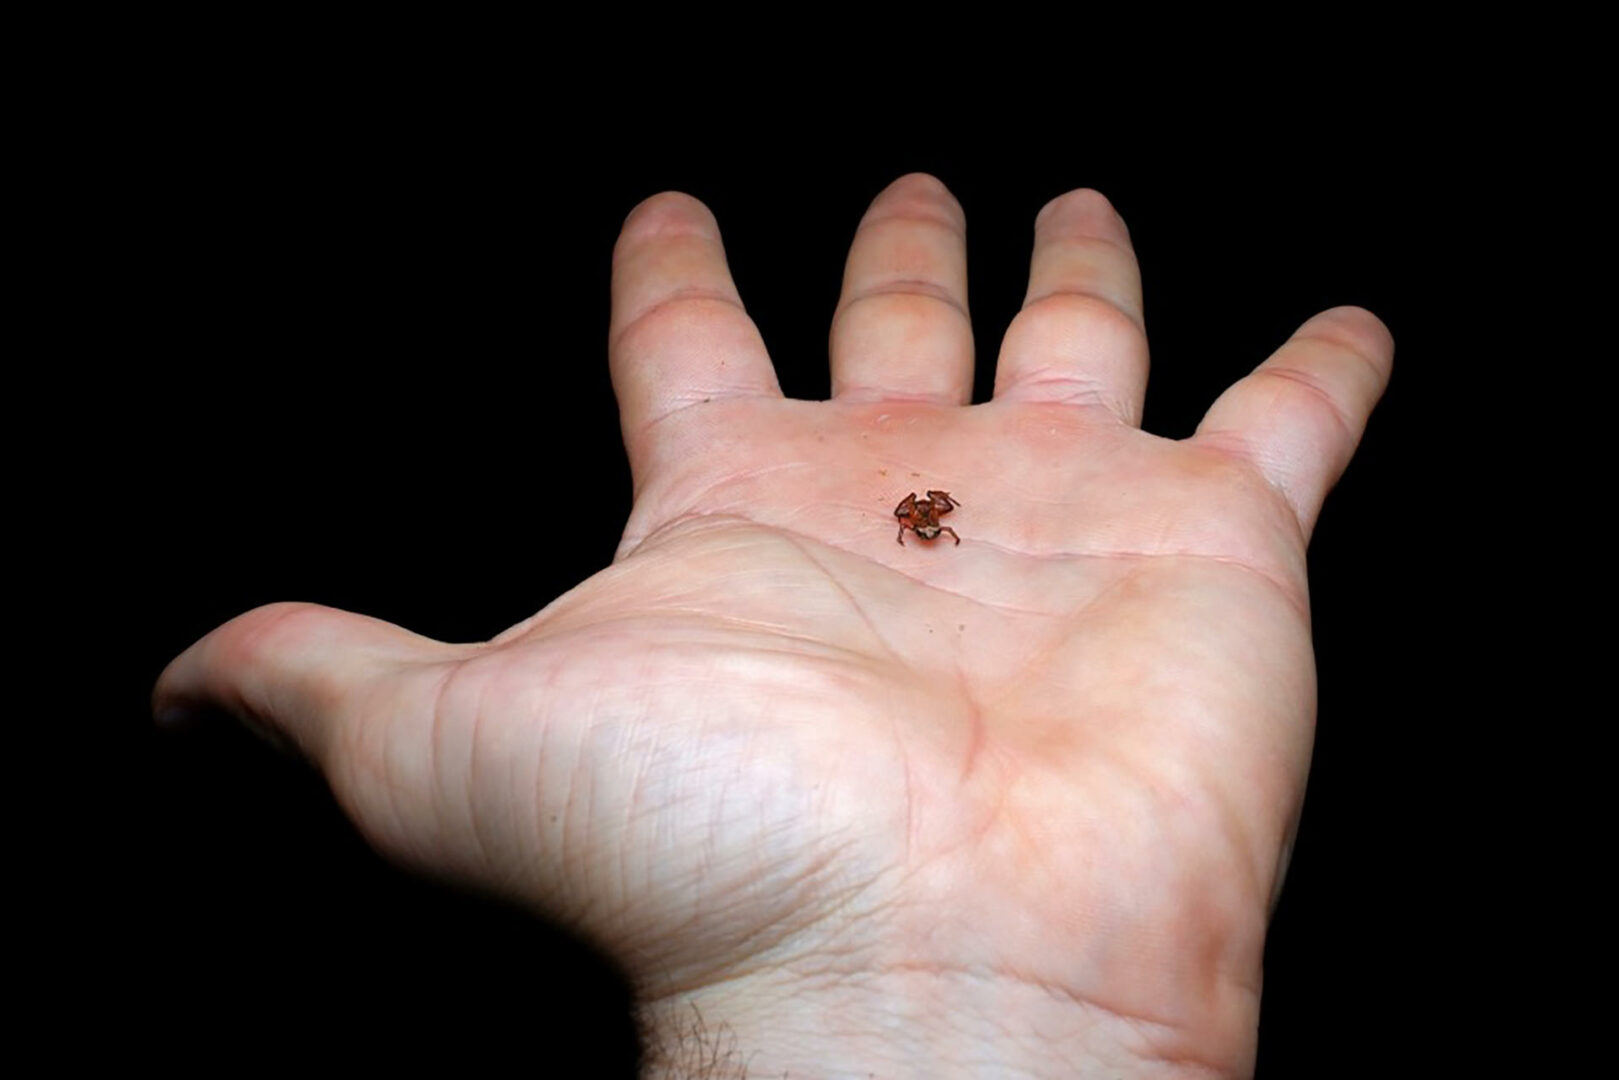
x=1299, y=416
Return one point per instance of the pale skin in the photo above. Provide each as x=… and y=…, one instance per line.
x=1014, y=808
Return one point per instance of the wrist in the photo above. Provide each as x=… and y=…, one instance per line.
x=937, y=1024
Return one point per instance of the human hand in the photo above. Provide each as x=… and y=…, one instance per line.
x=1020, y=804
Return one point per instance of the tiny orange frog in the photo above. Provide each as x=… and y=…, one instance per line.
x=921, y=516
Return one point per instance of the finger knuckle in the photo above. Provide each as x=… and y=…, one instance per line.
x=1058, y=313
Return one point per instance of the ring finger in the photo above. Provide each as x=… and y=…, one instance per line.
x=1080, y=338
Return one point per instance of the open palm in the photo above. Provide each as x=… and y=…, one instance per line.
x=1020, y=803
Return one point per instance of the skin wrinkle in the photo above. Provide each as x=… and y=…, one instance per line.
x=1288, y=592
x=934, y=207
x=1085, y=239
x=701, y=496
x=527, y=813
x=925, y=290
x=1299, y=378
x=1277, y=584
x=1010, y=609
x=390, y=788
x=1242, y=836
x=1348, y=345
x=816, y=870
x=356, y=765
x=570, y=815
x=991, y=815
x=1233, y=446
x=910, y=789
x=765, y=944
x=473, y=784
x=862, y=394
x=709, y=399
x=1092, y=307
x=1148, y=1028
x=831, y=652
x=682, y=295
x=1084, y=388
x=797, y=541
x=689, y=514
x=741, y=623
x=631, y=804
x=1240, y=846
x=977, y=729
x=734, y=478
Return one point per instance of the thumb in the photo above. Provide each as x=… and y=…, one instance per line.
x=292, y=671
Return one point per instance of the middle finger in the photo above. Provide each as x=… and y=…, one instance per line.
x=901, y=329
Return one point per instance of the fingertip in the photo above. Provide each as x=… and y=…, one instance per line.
x=1355, y=315
x=922, y=182
x=1358, y=331
x=288, y=665
x=1083, y=204
x=185, y=687
x=668, y=212
x=917, y=194
x=174, y=705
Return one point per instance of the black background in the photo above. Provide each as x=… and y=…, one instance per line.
x=358, y=321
